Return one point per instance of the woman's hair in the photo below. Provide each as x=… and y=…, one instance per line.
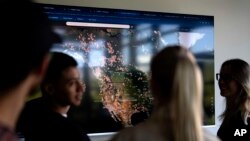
x=177, y=88
x=240, y=72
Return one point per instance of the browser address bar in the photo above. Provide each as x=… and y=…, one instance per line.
x=97, y=25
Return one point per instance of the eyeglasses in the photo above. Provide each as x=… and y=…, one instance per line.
x=223, y=77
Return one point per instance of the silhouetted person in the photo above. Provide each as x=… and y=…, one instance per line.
x=23, y=58
x=234, y=84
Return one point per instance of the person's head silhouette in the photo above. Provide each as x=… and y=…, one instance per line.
x=24, y=58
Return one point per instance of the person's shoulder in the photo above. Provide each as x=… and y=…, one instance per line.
x=66, y=129
x=34, y=102
x=34, y=105
x=7, y=134
x=63, y=124
x=143, y=131
x=209, y=136
x=124, y=134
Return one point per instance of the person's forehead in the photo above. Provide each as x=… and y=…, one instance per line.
x=70, y=73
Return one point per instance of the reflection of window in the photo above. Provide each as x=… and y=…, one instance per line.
x=143, y=32
x=96, y=53
x=125, y=37
x=143, y=56
x=96, y=58
x=125, y=54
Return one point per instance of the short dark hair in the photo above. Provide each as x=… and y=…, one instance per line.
x=59, y=62
x=27, y=41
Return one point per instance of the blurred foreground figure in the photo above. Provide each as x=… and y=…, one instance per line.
x=24, y=58
x=176, y=84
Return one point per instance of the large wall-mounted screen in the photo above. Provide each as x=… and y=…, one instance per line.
x=113, y=48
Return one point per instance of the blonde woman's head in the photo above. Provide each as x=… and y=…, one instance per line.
x=176, y=83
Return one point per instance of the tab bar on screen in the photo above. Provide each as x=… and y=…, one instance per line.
x=97, y=25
